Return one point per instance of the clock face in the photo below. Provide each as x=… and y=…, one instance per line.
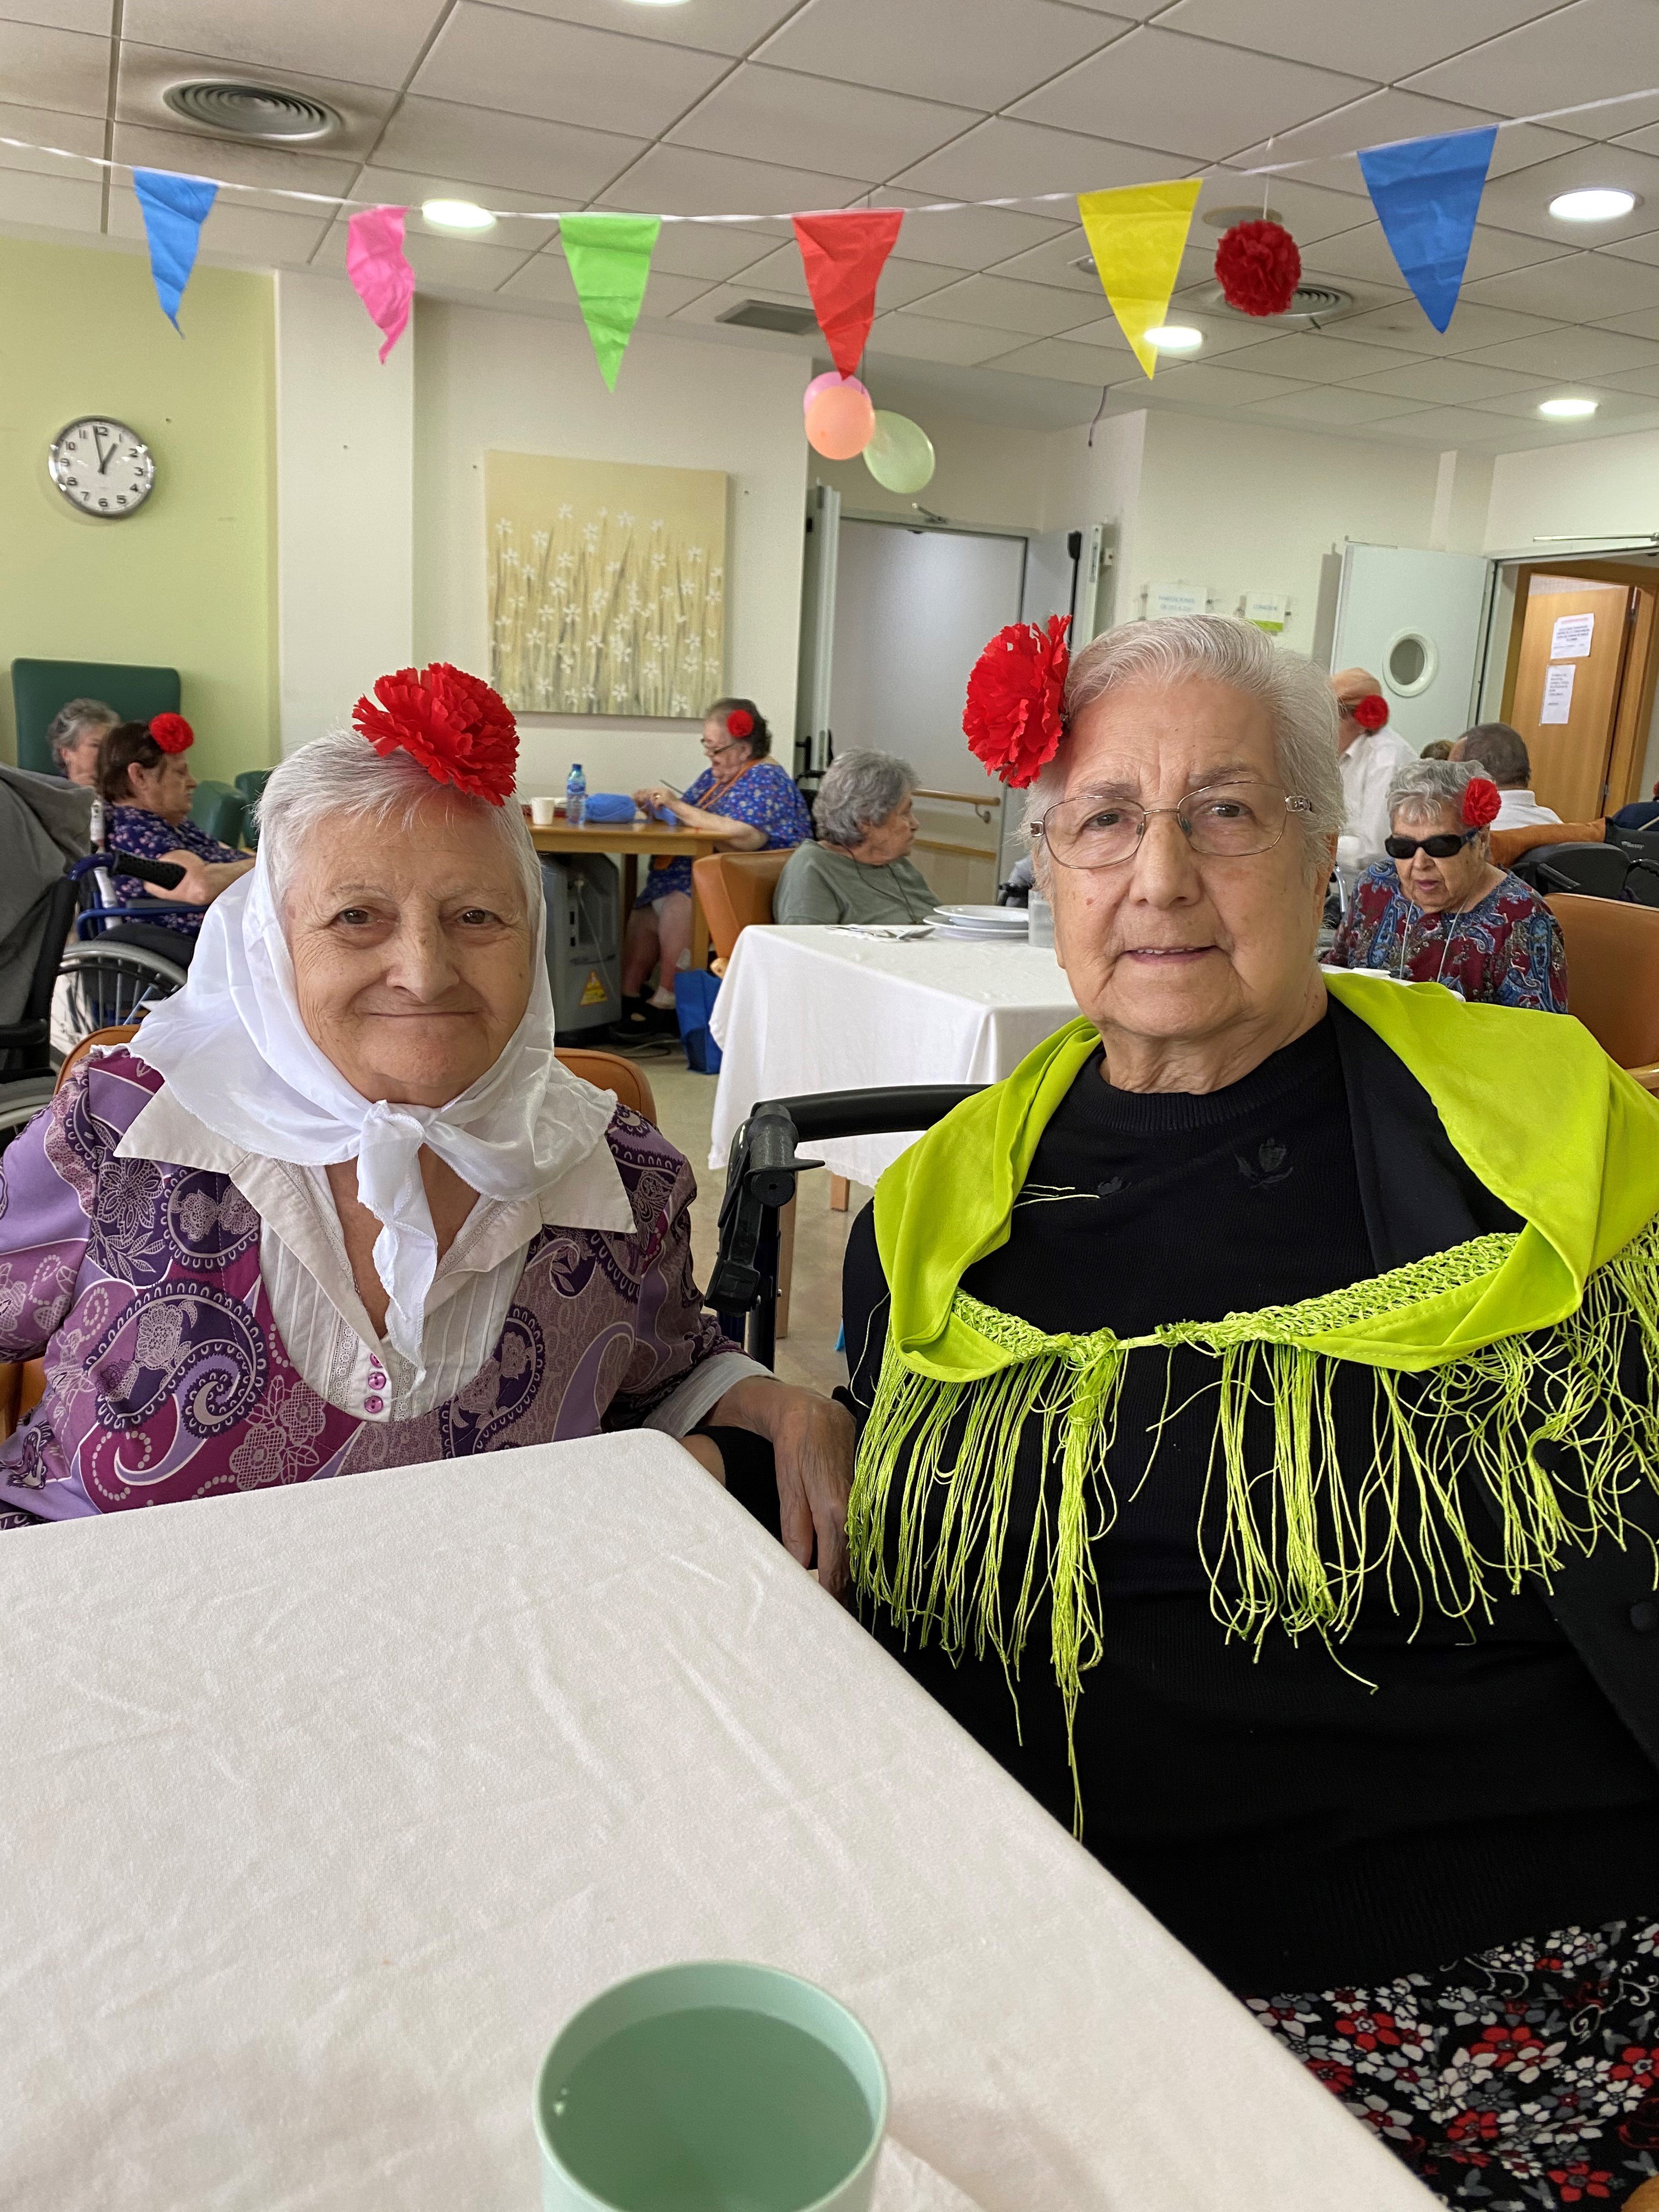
x=101, y=467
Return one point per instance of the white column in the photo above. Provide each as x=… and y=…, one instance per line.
x=345, y=481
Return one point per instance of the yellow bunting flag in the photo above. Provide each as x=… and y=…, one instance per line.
x=1137, y=236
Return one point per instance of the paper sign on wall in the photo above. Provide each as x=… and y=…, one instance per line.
x=1175, y=599
x=1558, y=694
x=1570, y=638
x=1268, y=611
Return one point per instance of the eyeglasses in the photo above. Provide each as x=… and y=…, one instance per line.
x=1440, y=847
x=1225, y=821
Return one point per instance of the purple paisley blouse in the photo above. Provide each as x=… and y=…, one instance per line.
x=166, y=1377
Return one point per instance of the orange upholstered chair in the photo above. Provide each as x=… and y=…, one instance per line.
x=1509, y=845
x=736, y=889
x=1613, y=977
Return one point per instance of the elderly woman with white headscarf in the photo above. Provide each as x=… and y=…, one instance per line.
x=340, y=1206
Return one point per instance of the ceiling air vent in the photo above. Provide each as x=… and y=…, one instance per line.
x=770, y=315
x=1310, y=303
x=252, y=111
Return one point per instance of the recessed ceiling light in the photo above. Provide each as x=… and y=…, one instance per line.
x=1567, y=410
x=1596, y=204
x=456, y=215
x=1176, y=337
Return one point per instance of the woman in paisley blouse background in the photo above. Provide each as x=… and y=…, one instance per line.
x=1438, y=911
x=340, y=1206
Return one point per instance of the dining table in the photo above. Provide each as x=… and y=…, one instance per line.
x=629, y=840
x=806, y=1009
x=326, y=1805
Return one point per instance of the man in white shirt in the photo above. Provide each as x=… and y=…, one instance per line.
x=1503, y=753
x=1369, y=758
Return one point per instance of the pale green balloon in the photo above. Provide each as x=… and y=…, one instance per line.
x=899, y=453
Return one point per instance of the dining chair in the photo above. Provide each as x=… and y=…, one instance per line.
x=1613, y=977
x=736, y=889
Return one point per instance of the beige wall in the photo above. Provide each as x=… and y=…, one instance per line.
x=1594, y=488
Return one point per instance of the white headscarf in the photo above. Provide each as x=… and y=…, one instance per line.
x=237, y=1055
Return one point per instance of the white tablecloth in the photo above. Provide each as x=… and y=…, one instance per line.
x=324, y=1807
x=817, y=1009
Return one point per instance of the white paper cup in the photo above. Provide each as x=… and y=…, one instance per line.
x=543, y=812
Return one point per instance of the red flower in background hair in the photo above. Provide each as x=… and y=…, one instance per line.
x=173, y=733
x=739, y=723
x=1371, y=712
x=457, y=728
x=1481, y=801
x=1013, y=721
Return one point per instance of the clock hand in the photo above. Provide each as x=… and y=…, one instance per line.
x=105, y=459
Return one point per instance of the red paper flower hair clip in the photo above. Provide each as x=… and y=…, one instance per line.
x=171, y=733
x=459, y=729
x=1481, y=801
x=1371, y=712
x=1014, y=719
x=739, y=723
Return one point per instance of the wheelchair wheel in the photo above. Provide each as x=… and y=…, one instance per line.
x=20, y=1101
x=100, y=985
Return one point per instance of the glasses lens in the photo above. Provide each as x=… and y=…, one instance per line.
x=1091, y=833
x=1234, y=817
x=1438, y=847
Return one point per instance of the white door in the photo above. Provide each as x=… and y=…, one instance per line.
x=1063, y=572
x=1417, y=621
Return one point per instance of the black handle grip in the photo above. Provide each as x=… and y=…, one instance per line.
x=167, y=875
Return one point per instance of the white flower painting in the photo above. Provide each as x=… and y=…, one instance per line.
x=607, y=586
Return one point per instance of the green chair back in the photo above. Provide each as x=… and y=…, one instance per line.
x=251, y=783
x=219, y=811
x=40, y=687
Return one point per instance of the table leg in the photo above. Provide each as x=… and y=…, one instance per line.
x=838, y=1194
x=630, y=882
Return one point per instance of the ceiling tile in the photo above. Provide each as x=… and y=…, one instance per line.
x=1139, y=9
x=713, y=251
x=1315, y=357
x=1200, y=383
x=972, y=237
x=1521, y=202
x=1446, y=427
x=1380, y=42
x=1614, y=403
x=61, y=70
x=1222, y=334
x=1186, y=94
x=779, y=275
x=494, y=58
x=1404, y=323
x=147, y=72
x=1580, y=288
x=1645, y=249
x=1332, y=407
x=1644, y=323
x=59, y=203
x=1002, y=157
x=546, y=276
x=368, y=42
x=75, y=134
x=1382, y=117
x=684, y=180
x=920, y=337
x=1364, y=252
x=1445, y=382
x=979, y=53
x=1635, y=379
x=1576, y=351
x=1092, y=365
x=1584, y=52
x=774, y=115
x=237, y=164
x=1308, y=212
x=92, y=15
x=1054, y=262
x=408, y=188
x=718, y=27
x=999, y=304
x=555, y=162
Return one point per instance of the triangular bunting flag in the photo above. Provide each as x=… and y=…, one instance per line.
x=843, y=256
x=1426, y=192
x=383, y=279
x=175, y=207
x=1137, y=236
x=610, y=259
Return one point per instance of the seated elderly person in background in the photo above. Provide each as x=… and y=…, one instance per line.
x=1501, y=752
x=857, y=869
x=1438, y=911
x=1370, y=755
x=75, y=733
x=343, y=1207
x=146, y=786
x=1259, y=1450
x=752, y=802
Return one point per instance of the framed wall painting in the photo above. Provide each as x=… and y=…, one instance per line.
x=607, y=585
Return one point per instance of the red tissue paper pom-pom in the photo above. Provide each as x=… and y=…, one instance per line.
x=1481, y=801
x=1258, y=268
x=1013, y=721
x=173, y=733
x=459, y=729
x=1371, y=712
x=739, y=723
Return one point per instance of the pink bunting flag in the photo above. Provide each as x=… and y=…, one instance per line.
x=375, y=262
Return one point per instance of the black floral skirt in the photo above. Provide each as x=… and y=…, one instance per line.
x=1526, y=2076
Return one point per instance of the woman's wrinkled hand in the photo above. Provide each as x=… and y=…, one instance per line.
x=658, y=794
x=812, y=1442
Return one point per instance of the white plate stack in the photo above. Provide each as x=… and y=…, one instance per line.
x=981, y=925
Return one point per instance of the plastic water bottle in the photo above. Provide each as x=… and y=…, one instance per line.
x=575, y=796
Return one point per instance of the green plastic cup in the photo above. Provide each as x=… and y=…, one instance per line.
x=711, y=2086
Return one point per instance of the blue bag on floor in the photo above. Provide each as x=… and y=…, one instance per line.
x=694, y=993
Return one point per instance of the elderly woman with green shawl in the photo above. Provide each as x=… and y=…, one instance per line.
x=1259, y=1448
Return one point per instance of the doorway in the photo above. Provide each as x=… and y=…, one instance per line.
x=1579, y=684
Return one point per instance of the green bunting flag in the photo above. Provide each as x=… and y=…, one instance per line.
x=610, y=259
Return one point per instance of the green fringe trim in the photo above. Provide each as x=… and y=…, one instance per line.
x=1301, y=1539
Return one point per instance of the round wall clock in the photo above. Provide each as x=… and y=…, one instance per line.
x=101, y=467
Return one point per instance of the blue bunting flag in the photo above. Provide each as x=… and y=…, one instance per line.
x=1426, y=192
x=175, y=207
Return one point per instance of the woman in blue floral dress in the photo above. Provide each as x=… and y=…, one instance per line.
x=146, y=786
x=1437, y=910
x=741, y=787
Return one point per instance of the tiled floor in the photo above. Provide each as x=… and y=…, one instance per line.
x=685, y=1108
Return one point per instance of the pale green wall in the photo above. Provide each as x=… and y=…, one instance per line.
x=187, y=582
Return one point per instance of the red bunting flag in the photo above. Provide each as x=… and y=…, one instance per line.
x=843, y=256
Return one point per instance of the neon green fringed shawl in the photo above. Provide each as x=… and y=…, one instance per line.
x=1519, y=1338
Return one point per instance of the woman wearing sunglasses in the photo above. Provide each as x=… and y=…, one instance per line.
x=1438, y=911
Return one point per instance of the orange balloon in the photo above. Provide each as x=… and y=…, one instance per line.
x=840, y=423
